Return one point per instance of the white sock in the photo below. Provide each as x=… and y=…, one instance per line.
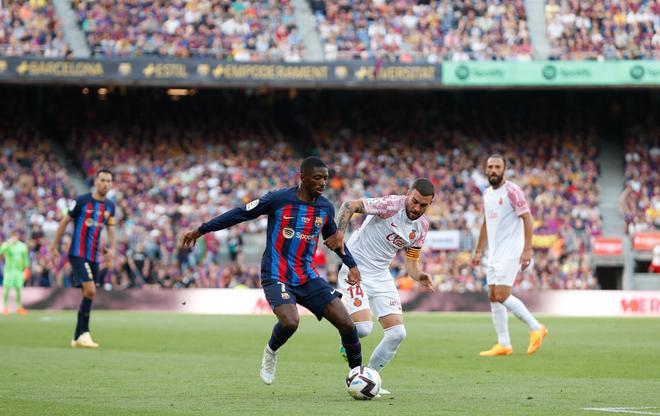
x=501, y=322
x=364, y=328
x=386, y=349
x=519, y=309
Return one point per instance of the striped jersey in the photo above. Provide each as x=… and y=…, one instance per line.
x=292, y=235
x=89, y=216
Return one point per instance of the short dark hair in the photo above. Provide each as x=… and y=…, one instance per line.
x=311, y=162
x=424, y=186
x=497, y=156
x=105, y=170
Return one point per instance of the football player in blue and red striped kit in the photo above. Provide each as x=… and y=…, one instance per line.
x=296, y=218
x=90, y=214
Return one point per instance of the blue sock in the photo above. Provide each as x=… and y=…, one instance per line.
x=279, y=337
x=351, y=343
x=83, y=317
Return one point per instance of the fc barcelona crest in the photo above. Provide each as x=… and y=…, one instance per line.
x=318, y=221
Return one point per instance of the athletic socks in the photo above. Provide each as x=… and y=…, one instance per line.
x=501, y=322
x=279, y=337
x=84, y=311
x=521, y=312
x=351, y=343
x=386, y=349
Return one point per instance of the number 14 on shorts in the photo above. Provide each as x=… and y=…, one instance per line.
x=356, y=292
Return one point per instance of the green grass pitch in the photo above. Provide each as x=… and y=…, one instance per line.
x=175, y=364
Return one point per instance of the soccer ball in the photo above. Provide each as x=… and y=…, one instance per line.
x=363, y=383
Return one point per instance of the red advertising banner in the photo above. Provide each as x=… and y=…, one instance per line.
x=646, y=241
x=607, y=246
x=253, y=302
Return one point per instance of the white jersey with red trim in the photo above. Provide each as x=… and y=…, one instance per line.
x=386, y=230
x=502, y=210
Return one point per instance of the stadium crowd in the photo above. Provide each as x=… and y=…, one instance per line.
x=373, y=157
x=30, y=28
x=401, y=31
x=408, y=31
x=175, y=168
x=603, y=29
x=241, y=30
x=33, y=180
x=640, y=200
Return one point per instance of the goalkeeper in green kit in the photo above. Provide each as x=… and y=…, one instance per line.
x=16, y=270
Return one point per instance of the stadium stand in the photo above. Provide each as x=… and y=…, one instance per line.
x=603, y=29
x=244, y=31
x=408, y=31
x=176, y=166
x=30, y=28
x=640, y=200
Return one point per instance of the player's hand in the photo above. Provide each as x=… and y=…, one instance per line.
x=426, y=281
x=336, y=242
x=353, y=277
x=476, y=258
x=526, y=258
x=190, y=238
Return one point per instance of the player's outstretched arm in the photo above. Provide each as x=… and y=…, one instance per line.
x=235, y=216
x=346, y=211
x=328, y=231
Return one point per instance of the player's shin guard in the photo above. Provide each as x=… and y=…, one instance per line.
x=83, y=317
x=279, y=336
x=386, y=349
x=351, y=343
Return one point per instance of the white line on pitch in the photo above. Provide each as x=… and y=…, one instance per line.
x=629, y=410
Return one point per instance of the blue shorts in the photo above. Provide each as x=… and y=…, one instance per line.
x=314, y=295
x=84, y=271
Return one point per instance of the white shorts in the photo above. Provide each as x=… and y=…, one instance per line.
x=503, y=272
x=376, y=292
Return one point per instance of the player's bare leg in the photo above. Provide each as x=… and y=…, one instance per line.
x=287, y=324
x=336, y=314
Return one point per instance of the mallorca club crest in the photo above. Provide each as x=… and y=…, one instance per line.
x=357, y=303
x=501, y=201
x=412, y=235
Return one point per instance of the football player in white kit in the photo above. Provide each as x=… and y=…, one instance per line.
x=508, y=228
x=393, y=223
